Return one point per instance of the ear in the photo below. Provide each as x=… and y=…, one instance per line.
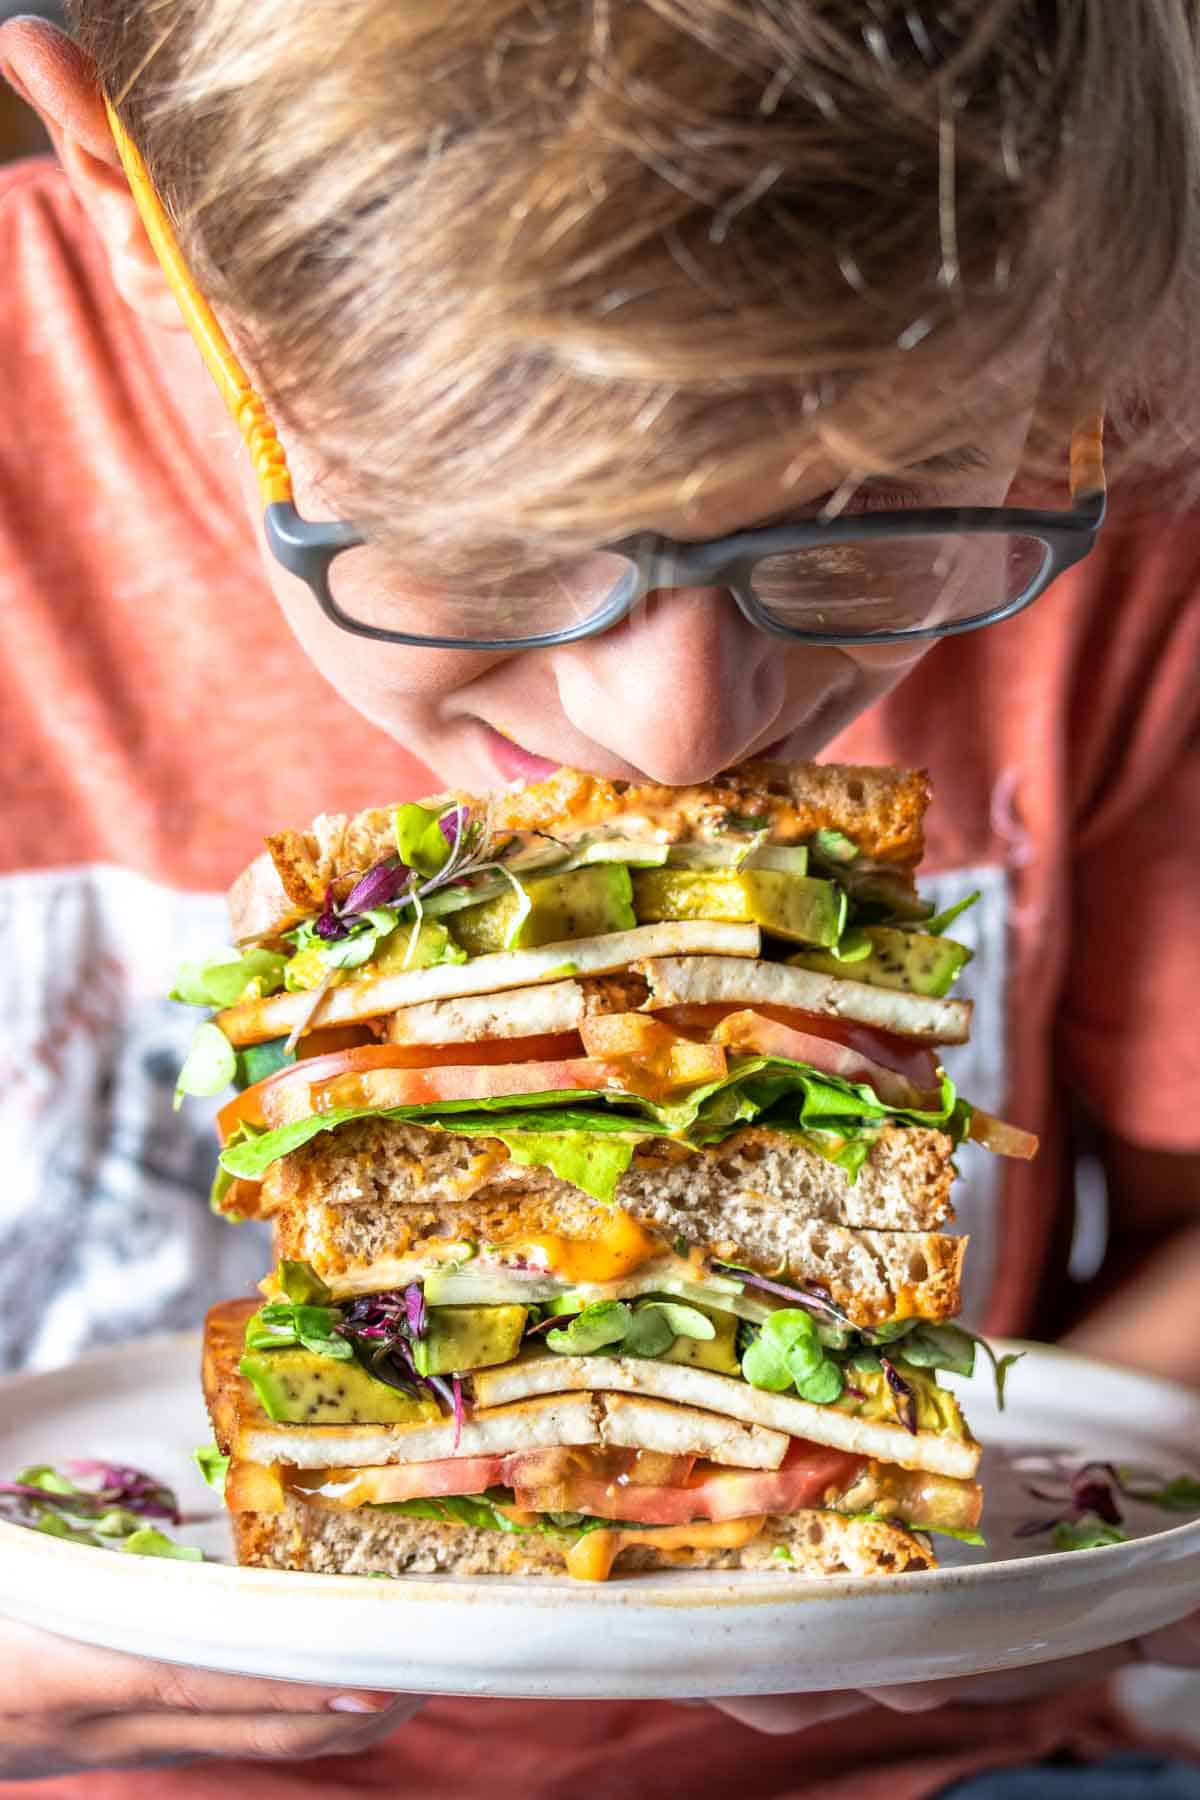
x=53, y=75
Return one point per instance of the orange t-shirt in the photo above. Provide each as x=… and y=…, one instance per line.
x=157, y=718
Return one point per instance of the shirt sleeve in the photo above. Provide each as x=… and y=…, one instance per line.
x=1130, y=1024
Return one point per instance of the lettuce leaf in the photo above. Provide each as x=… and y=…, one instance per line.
x=481, y=1511
x=590, y=1141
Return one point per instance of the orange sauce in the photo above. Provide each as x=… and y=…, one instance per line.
x=591, y=1557
x=618, y=1250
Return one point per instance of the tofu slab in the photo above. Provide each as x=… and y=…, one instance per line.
x=664, y=1425
x=537, y=1424
x=254, y=1021
x=548, y=1374
x=481, y=1018
x=707, y=980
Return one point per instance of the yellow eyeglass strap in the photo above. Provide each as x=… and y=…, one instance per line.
x=1087, y=456
x=245, y=405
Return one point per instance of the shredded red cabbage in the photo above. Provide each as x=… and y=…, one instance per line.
x=414, y=1307
x=383, y=1328
x=905, y=1396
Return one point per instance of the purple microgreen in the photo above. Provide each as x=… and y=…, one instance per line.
x=1097, y=1497
x=812, y=1298
x=1090, y=1492
x=329, y=924
x=442, y=1389
x=1034, y=1527
x=131, y=1489
x=547, y=1324
x=117, y=1489
x=904, y=1396
x=456, y=1385
x=380, y=886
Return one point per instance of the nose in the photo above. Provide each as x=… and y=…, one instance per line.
x=681, y=689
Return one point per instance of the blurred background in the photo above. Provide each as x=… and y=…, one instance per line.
x=20, y=133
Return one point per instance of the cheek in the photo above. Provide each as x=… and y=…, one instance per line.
x=879, y=667
x=371, y=676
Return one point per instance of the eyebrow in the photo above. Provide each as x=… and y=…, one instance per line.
x=963, y=459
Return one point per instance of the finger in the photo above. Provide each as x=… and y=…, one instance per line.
x=1034, y=1683
x=1178, y=1645
x=778, y=1713
x=155, y=1740
x=44, y=1675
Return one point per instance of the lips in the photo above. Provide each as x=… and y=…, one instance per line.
x=515, y=763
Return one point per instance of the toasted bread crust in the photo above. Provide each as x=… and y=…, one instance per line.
x=882, y=809
x=306, y=1536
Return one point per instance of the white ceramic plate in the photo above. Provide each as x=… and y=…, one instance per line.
x=647, y=1636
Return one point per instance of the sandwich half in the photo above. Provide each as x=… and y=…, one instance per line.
x=608, y=1157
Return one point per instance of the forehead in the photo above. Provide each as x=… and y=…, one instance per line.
x=829, y=464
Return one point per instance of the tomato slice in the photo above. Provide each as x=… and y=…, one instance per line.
x=753, y=1031
x=546, y=1478
x=293, y=1094
x=808, y=1475
x=314, y=1071
x=400, y=1481
x=915, y=1061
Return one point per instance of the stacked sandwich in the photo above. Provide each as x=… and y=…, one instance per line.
x=608, y=1155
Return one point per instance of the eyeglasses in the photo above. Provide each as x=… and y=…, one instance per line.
x=881, y=578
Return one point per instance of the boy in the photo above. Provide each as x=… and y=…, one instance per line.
x=517, y=283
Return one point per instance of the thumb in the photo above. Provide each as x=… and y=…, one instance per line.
x=779, y=1713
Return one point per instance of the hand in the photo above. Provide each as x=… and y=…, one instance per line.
x=1175, y=1646
x=66, y=1708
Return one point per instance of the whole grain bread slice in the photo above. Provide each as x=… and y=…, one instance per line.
x=369, y=1167
x=881, y=809
x=310, y=1537
x=360, y=1204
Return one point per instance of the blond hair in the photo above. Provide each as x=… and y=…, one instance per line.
x=532, y=269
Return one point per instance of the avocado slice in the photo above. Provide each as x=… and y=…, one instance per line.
x=297, y=1387
x=797, y=907
x=916, y=962
x=434, y=945
x=718, y=1353
x=458, y=1338
x=937, y=1409
x=586, y=902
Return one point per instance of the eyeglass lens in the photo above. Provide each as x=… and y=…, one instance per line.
x=861, y=589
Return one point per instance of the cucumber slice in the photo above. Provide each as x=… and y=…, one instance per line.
x=780, y=859
x=489, y=1287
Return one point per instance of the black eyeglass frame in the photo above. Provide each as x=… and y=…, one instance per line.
x=308, y=548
